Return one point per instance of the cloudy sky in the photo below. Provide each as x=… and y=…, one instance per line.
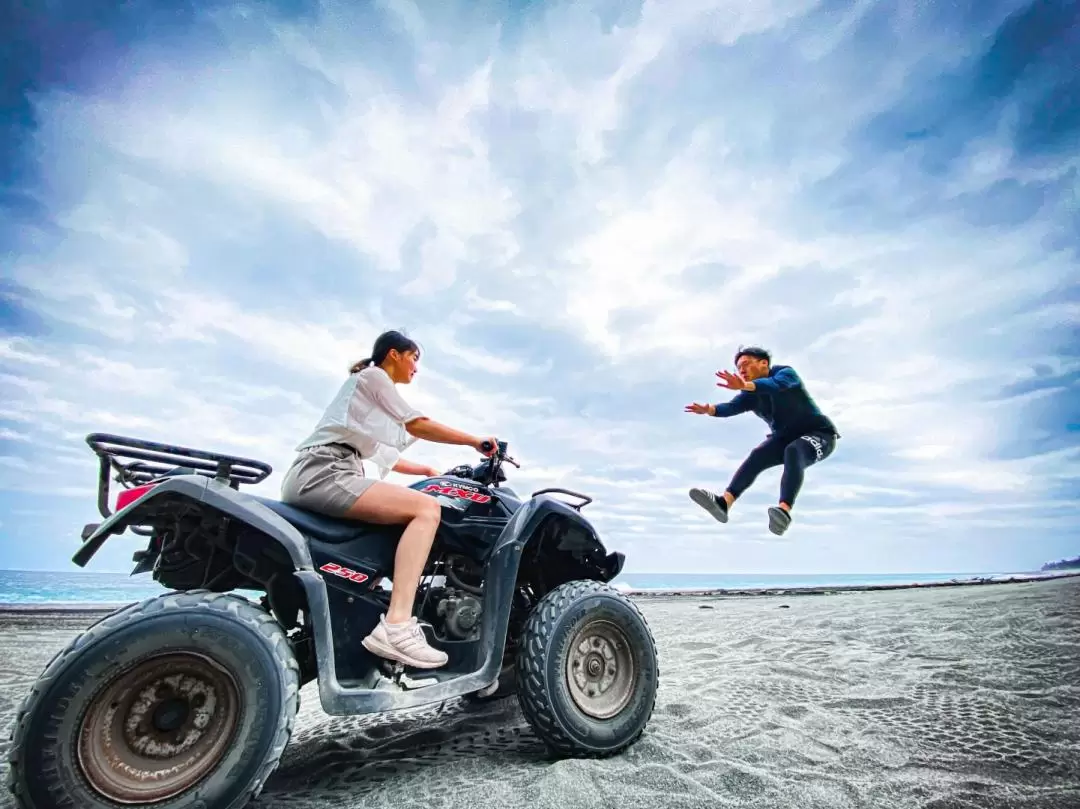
x=580, y=211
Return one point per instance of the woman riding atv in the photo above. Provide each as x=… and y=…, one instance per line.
x=368, y=420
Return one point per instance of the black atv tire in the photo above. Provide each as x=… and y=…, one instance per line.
x=164, y=660
x=572, y=618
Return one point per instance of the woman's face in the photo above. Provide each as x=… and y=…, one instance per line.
x=403, y=366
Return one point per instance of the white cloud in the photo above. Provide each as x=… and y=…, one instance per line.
x=11, y=350
x=580, y=218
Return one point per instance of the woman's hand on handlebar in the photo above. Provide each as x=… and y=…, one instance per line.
x=486, y=446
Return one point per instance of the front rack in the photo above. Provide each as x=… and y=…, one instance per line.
x=151, y=460
x=556, y=490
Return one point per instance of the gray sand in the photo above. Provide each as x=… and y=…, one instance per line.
x=942, y=698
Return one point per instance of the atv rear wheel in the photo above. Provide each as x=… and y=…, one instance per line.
x=187, y=699
x=587, y=670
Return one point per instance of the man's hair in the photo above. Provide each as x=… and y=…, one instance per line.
x=756, y=352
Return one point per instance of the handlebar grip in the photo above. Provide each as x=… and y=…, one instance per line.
x=487, y=446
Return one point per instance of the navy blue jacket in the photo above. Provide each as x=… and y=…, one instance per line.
x=782, y=401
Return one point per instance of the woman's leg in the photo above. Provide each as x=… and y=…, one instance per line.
x=398, y=636
x=388, y=504
x=330, y=480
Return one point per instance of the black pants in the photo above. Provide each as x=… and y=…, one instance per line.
x=795, y=454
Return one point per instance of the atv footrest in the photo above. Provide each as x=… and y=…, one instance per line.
x=396, y=672
x=391, y=668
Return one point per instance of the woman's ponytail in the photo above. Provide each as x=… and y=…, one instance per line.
x=385, y=343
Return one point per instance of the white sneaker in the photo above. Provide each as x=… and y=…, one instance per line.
x=404, y=643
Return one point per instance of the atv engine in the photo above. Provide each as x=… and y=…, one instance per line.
x=454, y=610
x=459, y=614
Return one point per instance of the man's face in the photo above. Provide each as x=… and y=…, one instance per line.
x=751, y=368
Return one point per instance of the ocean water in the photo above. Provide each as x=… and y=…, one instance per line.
x=709, y=581
x=29, y=588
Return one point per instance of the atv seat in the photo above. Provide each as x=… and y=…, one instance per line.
x=318, y=526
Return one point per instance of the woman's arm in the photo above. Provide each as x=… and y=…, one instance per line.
x=431, y=430
x=416, y=424
x=404, y=467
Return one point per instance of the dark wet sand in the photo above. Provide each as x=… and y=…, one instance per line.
x=937, y=698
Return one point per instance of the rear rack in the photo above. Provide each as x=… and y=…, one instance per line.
x=151, y=460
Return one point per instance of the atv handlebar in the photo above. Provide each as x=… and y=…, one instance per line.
x=486, y=446
x=489, y=471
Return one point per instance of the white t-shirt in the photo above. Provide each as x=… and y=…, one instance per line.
x=368, y=414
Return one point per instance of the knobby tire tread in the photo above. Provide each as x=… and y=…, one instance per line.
x=536, y=638
x=242, y=610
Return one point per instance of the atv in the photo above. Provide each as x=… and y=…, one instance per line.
x=188, y=699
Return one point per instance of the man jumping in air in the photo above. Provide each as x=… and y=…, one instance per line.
x=800, y=434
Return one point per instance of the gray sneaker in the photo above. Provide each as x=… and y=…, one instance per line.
x=712, y=503
x=404, y=643
x=779, y=520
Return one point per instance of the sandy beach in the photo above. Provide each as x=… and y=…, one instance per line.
x=932, y=697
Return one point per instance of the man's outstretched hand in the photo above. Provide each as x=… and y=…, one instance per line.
x=731, y=381
x=701, y=409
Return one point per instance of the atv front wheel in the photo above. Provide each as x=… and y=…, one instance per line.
x=183, y=700
x=587, y=670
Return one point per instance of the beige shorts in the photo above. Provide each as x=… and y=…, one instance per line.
x=326, y=479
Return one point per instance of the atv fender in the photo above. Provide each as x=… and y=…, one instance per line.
x=501, y=579
x=582, y=543
x=212, y=494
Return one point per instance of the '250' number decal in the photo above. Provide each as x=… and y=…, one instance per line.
x=454, y=491
x=344, y=572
